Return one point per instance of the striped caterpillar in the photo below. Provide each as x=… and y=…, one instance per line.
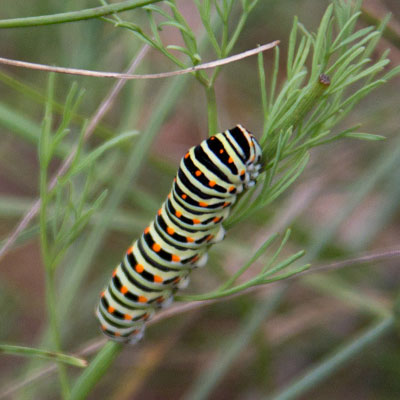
x=209, y=178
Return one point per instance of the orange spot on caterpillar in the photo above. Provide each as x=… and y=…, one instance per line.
x=156, y=247
x=221, y=151
x=175, y=258
x=184, y=196
x=142, y=299
x=160, y=299
x=189, y=239
x=103, y=327
x=147, y=230
x=195, y=259
x=212, y=138
x=114, y=272
x=187, y=155
x=139, y=268
x=170, y=230
x=196, y=221
x=202, y=204
x=158, y=279
x=216, y=219
x=230, y=160
x=159, y=211
x=117, y=334
x=127, y=317
x=110, y=309
x=103, y=293
x=209, y=237
x=169, y=195
x=198, y=173
x=130, y=250
x=212, y=183
x=146, y=316
x=177, y=280
x=232, y=188
x=178, y=214
x=242, y=172
x=226, y=204
x=124, y=290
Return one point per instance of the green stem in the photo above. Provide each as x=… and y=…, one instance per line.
x=50, y=291
x=308, y=101
x=97, y=368
x=212, y=114
x=55, y=333
x=45, y=155
x=74, y=15
x=42, y=216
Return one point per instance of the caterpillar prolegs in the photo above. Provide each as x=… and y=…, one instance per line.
x=209, y=178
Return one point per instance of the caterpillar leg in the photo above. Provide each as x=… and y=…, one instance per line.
x=239, y=189
x=250, y=184
x=136, y=336
x=202, y=261
x=219, y=236
x=167, y=302
x=183, y=283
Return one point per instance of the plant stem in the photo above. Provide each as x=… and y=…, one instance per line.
x=74, y=15
x=45, y=155
x=212, y=114
x=97, y=368
x=50, y=291
x=55, y=333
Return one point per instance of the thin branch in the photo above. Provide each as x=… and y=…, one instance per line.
x=117, y=75
x=367, y=258
x=102, y=109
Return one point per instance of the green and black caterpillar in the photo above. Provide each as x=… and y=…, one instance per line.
x=209, y=178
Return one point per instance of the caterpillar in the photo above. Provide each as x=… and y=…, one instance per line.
x=209, y=178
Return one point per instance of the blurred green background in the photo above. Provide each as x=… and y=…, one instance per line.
x=345, y=204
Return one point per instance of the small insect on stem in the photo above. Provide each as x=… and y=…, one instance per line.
x=324, y=79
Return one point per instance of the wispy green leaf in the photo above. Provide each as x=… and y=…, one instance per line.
x=99, y=151
x=43, y=354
